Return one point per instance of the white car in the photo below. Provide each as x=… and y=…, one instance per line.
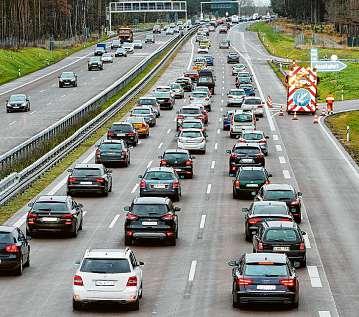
x=137, y=44
x=235, y=97
x=128, y=47
x=256, y=104
x=204, y=89
x=192, y=140
x=202, y=50
x=107, y=57
x=238, y=68
x=165, y=89
x=201, y=97
x=177, y=90
x=170, y=31
x=241, y=120
x=108, y=275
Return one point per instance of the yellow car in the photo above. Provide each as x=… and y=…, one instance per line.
x=140, y=125
x=199, y=65
x=205, y=43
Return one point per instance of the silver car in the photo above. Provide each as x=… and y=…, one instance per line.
x=192, y=140
x=128, y=47
x=150, y=101
x=137, y=44
x=255, y=136
x=177, y=90
x=107, y=57
x=146, y=112
x=256, y=104
x=202, y=98
x=235, y=97
x=238, y=68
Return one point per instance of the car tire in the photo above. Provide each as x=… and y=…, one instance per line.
x=235, y=301
x=172, y=242
x=76, y=305
x=295, y=303
x=74, y=232
x=303, y=263
x=248, y=236
x=18, y=271
x=235, y=195
x=128, y=241
x=136, y=305
x=27, y=263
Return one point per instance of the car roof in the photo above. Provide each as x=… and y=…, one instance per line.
x=82, y=165
x=121, y=122
x=142, y=107
x=265, y=257
x=110, y=141
x=238, y=145
x=252, y=168
x=176, y=151
x=252, y=131
x=281, y=224
x=278, y=187
x=107, y=253
x=192, y=120
x=161, y=168
x=7, y=228
x=151, y=200
x=270, y=203
x=192, y=129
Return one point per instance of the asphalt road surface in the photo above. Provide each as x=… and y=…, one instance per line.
x=192, y=279
x=49, y=103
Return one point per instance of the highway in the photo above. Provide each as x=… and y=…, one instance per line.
x=49, y=103
x=192, y=279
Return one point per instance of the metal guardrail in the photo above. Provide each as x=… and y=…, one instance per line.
x=16, y=182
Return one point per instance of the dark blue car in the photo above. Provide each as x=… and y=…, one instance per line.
x=248, y=89
x=227, y=120
x=209, y=60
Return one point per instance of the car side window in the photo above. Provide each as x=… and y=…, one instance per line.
x=133, y=260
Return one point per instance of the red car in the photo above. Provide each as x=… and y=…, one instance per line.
x=193, y=74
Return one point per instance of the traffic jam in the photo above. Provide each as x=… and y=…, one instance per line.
x=199, y=107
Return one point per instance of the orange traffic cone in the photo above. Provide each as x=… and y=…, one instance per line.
x=281, y=114
x=295, y=116
x=315, y=120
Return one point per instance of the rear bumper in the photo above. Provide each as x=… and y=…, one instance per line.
x=128, y=295
x=9, y=264
x=49, y=227
x=245, y=297
x=158, y=193
x=292, y=255
x=85, y=188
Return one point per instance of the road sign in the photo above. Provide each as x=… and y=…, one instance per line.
x=313, y=56
x=329, y=66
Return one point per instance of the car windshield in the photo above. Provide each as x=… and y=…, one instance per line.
x=163, y=89
x=237, y=92
x=120, y=50
x=278, y=195
x=17, y=98
x=193, y=125
x=141, y=111
x=86, y=172
x=281, y=235
x=107, y=55
x=246, y=150
x=6, y=237
x=95, y=59
x=175, y=86
x=204, y=80
x=176, y=156
x=57, y=206
x=115, y=147
x=190, y=111
x=252, y=136
x=67, y=75
x=122, y=128
x=242, y=117
x=199, y=94
x=159, y=175
x=146, y=209
x=266, y=270
x=161, y=94
x=191, y=134
x=270, y=209
x=147, y=101
x=107, y=266
x=252, y=101
x=252, y=175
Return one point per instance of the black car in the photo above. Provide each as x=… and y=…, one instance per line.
x=14, y=250
x=19, y=102
x=281, y=237
x=283, y=192
x=113, y=152
x=264, y=278
x=120, y=52
x=245, y=154
x=89, y=178
x=165, y=99
x=95, y=63
x=67, y=79
x=123, y=131
x=260, y=211
x=151, y=218
x=60, y=214
x=249, y=179
x=232, y=58
x=186, y=83
x=180, y=160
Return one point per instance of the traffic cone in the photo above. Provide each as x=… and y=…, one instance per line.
x=295, y=116
x=315, y=119
x=281, y=114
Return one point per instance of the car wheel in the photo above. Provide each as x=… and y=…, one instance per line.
x=235, y=301
x=303, y=263
x=128, y=240
x=20, y=268
x=172, y=242
x=135, y=305
x=80, y=227
x=74, y=232
x=76, y=305
x=176, y=197
x=27, y=263
x=235, y=195
x=140, y=294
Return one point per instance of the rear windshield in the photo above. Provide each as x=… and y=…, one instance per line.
x=6, y=237
x=270, y=209
x=199, y=94
x=67, y=75
x=176, y=156
x=191, y=134
x=237, y=92
x=163, y=89
x=159, y=175
x=243, y=117
x=146, y=209
x=246, y=150
x=162, y=94
x=205, y=79
x=191, y=125
x=136, y=119
x=105, y=266
x=252, y=175
x=122, y=127
x=281, y=235
x=86, y=172
x=175, y=86
x=266, y=270
x=141, y=111
x=252, y=101
x=252, y=136
x=190, y=111
x=144, y=101
x=50, y=206
x=111, y=147
x=278, y=195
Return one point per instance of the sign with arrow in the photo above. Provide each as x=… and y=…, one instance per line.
x=328, y=66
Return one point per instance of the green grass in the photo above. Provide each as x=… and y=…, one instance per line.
x=18, y=202
x=338, y=124
x=282, y=45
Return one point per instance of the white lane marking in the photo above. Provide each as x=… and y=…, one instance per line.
x=222, y=101
x=203, y=221
x=314, y=276
x=216, y=146
x=213, y=164
x=31, y=113
x=160, y=145
x=218, y=131
x=220, y=120
x=134, y=188
x=175, y=118
x=275, y=137
x=324, y=313
x=209, y=187
x=286, y=174
x=149, y=164
x=222, y=95
x=11, y=123
x=113, y=221
x=192, y=271
x=223, y=82
x=221, y=109
x=89, y=157
x=42, y=91
x=139, y=141
x=168, y=131
x=63, y=96
x=282, y=160
x=278, y=148
x=21, y=221
x=192, y=50
x=223, y=87
x=306, y=241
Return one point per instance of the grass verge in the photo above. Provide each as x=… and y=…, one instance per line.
x=18, y=202
x=345, y=82
x=338, y=124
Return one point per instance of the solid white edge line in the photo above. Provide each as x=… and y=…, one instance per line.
x=275, y=137
x=134, y=188
x=209, y=187
x=307, y=241
x=84, y=213
x=216, y=146
x=278, y=148
x=21, y=221
x=160, y=145
x=324, y=313
x=168, y=131
x=113, y=221
x=282, y=160
x=192, y=271
x=192, y=51
x=314, y=276
x=203, y=221
x=213, y=164
x=286, y=174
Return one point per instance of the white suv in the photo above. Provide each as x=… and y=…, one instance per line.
x=108, y=275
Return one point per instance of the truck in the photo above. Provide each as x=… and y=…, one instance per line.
x=100, y=49
x=125, y=34
x=207, y=79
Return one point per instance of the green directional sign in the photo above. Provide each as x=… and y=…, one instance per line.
x=328, y=66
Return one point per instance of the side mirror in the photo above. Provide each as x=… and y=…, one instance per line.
x=139, y=176
x=300, y=194
x=267, y=137
x=80, y=205
x=304, y=233
x=224, y=116
x=270, y=175
x=233, y=263
x=160, y=156
x=177, y=209
x=126, y=208
x=70, y=170
x=245, y=209
x=141, y=263
x=228, y=151
x=109, y=171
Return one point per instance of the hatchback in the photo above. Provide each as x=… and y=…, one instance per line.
x=180, y=160
x=123, y=131
x=255, y=136
x=113, y=152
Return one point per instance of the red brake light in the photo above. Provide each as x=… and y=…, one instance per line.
x=72, y=179
x=260, y=246
x=131, y=216
x=168, y=216
x=253, y=221
x=289, y=282
x=131, y=134
x=263, y=141
x=233, y=155
x=237, y=184
x=97, y=152
x=31, y=218
x=176, y=184
x=100, y=180
x=242, y=281
x=12, y=248
x=132, y=281
x=143, y=184
x=78, y=280
x=188, y=162
x=163, y=162
x=110, y=133
x=302, y=246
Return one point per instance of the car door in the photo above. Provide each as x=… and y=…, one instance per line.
x=76, y=211
x=136, y=268
x=20, y=237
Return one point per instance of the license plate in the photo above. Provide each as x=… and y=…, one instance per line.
x=280, y=248
x=86, y=183
x=49, y=219
x=105, y=283
x=121, y=134
x=252, y=185
x=161, y=186
x=247, y=161
x=149, y=223
x=266, y=287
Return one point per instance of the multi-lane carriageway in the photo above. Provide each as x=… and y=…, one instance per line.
x=192, y=279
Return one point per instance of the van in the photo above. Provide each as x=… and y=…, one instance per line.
x=240, y=121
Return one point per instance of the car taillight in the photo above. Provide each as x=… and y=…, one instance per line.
x=12, y=248
x=72, y=179
x=302, y=246
x=78, y=280
x=253, y=221
x=188, y=163
x=163, y=162
x=131, y=134
x=267, y=182
x=110, y=134
x=243, y=281
x=168, y=216
x=98, y=152
x=31, y=218
x=237, y=184
x=285, y=219
x=100, y=180
x=233, y=156
x=131, y=216
x=132, y=281
x=176, y=184
x=289, y=282
x=263, y=141
x=180, y=117
x=68, y=218
x=260, y=246
x=142, y=183
x=295, y=202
